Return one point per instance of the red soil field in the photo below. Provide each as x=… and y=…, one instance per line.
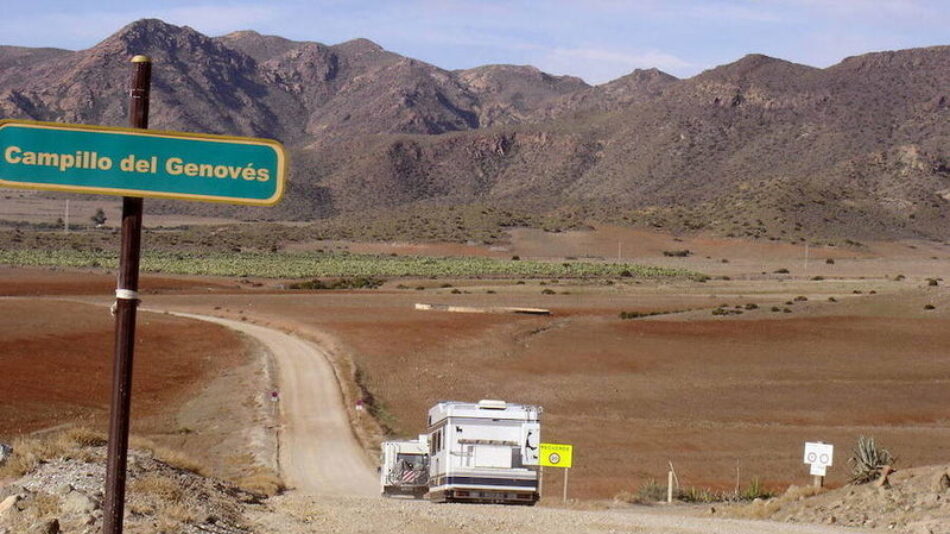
x=56, y=358
x=18, y=281
x=632, y=395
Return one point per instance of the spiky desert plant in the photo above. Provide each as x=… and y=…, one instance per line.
x=867, y=459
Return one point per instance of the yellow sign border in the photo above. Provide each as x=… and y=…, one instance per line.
x=282, y=162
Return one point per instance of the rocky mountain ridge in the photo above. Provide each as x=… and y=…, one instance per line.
x=760, y=147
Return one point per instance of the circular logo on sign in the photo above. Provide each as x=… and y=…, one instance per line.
x=812, y=457
x=824, y=458
x=554, y=458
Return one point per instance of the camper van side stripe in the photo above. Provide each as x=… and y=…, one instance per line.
x=486, y=481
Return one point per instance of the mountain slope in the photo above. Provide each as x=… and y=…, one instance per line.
x=760, y=147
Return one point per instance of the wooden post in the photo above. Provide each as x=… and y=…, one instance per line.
x=126, y=302
x=669, y=486
x=818, y=481
x=565, y=483
x=540, y=482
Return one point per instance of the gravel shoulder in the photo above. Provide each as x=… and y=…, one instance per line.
x=299, y=513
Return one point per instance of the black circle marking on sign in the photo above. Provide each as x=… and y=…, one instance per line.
x=812, y=457
x=824, y=458
x=554, y=458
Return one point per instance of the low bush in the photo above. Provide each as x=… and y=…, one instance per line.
x=726, y=311
x=677, y=253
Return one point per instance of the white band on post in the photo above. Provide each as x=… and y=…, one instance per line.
x=126, y=294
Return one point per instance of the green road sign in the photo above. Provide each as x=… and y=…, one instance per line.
x=141, y=163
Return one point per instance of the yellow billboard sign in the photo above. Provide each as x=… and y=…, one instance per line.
x=556, y=455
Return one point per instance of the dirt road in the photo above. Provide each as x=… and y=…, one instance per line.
x=320, y=457
x=318, y=452
x=298, y=513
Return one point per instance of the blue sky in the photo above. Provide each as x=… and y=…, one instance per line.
x=597, y=40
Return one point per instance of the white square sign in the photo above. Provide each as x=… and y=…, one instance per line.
x=819, y=454
x=818, y=470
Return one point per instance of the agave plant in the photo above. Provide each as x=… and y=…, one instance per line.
x=867, y=459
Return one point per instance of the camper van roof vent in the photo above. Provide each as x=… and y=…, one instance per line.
x=487, y=404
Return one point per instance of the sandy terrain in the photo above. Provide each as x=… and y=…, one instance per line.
x=742, y=257
x=31, y=207
x=301, y=513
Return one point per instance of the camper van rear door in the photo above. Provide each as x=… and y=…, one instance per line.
x=531, y=443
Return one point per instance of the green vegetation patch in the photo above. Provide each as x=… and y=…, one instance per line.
x=315, y=264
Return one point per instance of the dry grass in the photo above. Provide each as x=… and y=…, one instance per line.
x=39, y=509
x=30, y=452
x=164, y=498
x=765, y=509
x=171, y=457
x=157, y=486
x=263, y=481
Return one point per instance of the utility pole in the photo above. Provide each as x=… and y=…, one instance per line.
x=126, y=302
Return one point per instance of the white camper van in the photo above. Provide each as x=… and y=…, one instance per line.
x=484, y=452
x=404, y=467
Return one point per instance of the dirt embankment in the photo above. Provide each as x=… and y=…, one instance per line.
x=915, y=501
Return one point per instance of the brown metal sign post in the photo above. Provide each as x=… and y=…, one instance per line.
x=126, y=301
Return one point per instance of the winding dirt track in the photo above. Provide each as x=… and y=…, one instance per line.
x=320, y=457
x=318, y=452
